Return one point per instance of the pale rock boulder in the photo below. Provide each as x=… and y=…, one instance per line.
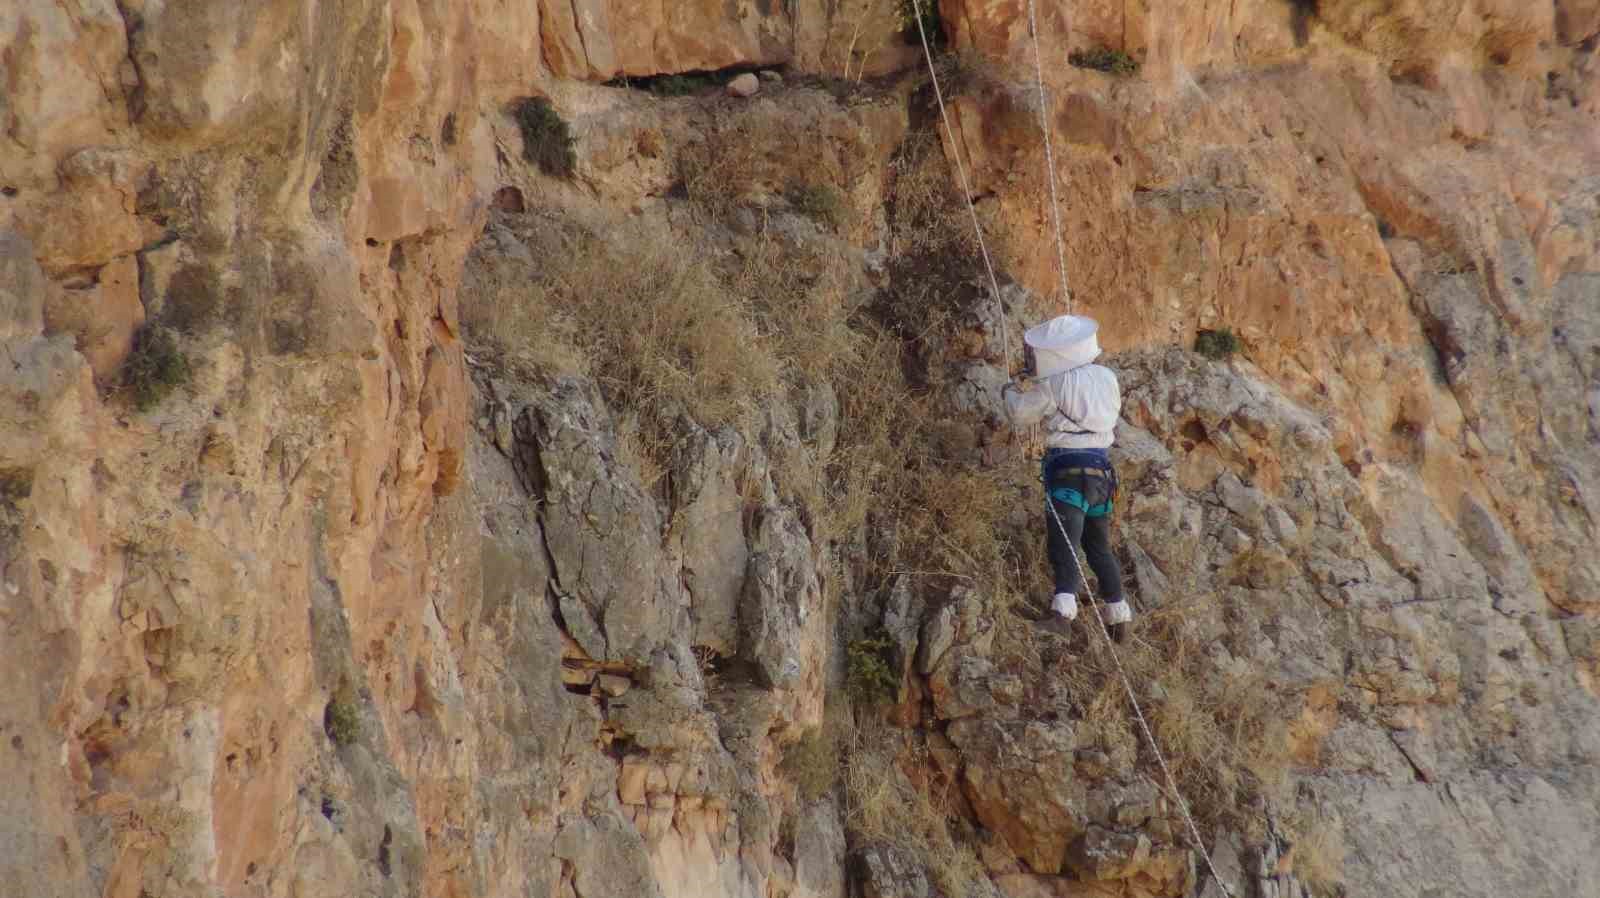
x=780, y=613
x=102, y=316
x=92, y=211
x=890, y=872
x=595, y=512
x=21, y=289
x=938, y=635
x=967, y=684
x=1504, y=827
x=708, y=519
x=46, y=373
x=1018, y=779
x=606, y=857
x=745, y=85
x=84, y=50
x=820, y=850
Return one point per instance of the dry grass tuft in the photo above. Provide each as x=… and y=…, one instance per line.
x=798, y=297
x=884, y=807
x=814, y=763
x=1319, y=854
x=1220, y=731
x=927, y=213
x=658, y=329
x=821, y=202
x=722, y=171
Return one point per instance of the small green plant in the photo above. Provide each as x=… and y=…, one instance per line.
x=1216, y=345
x=546, y=139
x=155, y=368
x=872, y=677
x=1104, y=59
x=820, y=202
x=812, y=764
x=342, y=722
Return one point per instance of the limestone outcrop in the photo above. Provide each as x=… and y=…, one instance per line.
x=344, y=549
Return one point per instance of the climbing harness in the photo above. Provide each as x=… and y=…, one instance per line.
x=1069, y=496
x=966, y=193
x=1075, y=498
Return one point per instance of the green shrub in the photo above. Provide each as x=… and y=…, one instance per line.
x=872, y=676
x=812, y=764
x=155, y=368
x=1104, y=59
x=1217, y=344
x=821, y=203
x=342, y=722
x=546, y=139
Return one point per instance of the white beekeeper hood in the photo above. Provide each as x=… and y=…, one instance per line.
x=1063, y=343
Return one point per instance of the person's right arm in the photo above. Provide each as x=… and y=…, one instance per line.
x=1027, y=401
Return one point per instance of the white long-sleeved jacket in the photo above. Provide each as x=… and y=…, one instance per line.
x=1079, y=407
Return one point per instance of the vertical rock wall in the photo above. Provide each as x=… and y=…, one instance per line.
x=351, y=612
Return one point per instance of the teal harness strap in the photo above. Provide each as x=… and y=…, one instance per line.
x=1072, y=497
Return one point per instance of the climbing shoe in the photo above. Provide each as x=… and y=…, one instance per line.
x=1118, y=617
x=1065, y=604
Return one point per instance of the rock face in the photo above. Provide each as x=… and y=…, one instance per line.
x=331, y=602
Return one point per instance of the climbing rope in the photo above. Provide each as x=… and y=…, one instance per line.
x=966, y=188
x=1049, y=157
x=1061, y=268
x=1138, y=713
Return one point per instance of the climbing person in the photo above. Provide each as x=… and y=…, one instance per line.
x=1078, y=403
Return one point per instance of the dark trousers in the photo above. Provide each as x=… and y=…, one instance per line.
x=1094, y=536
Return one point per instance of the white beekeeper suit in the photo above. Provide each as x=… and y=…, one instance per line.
x=1078, y=401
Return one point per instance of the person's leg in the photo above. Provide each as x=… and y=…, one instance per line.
x=1097, y=552
x=1068, y=578
x=1097, y=549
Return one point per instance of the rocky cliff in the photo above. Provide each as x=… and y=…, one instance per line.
x=479, y=448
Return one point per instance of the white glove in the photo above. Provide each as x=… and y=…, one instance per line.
x=1066, y=605
x=1118, y=612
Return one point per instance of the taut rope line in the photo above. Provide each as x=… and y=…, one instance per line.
x=966, y=188
x=1049, y=158
x=966, y=194
x=1138, y=713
